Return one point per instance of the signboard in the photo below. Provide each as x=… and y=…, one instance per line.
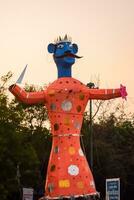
x=113, y=189
x=28, y=193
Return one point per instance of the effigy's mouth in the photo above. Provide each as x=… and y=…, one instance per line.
x=71, y=55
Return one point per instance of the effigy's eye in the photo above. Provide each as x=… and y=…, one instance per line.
x=60, y=46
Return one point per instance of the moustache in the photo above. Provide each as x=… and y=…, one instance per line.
x=68, y=55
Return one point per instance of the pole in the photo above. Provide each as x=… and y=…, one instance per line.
x=91, y=86
x=18, y=179
x=91, y=136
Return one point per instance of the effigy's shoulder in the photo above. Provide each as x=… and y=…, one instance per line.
x=68, y=84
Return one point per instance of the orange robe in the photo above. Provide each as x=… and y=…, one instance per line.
x=68, y=172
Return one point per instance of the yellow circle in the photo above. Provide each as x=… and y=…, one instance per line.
x=80, y=185
x=81, y=96
x=51, y=92
x=71, y=150
x=67, y=121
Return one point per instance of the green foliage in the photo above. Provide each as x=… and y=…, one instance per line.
x=113, y=141
x=24, y=145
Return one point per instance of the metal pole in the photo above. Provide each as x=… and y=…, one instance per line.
x=91, y=86
x=18, y=179
x=91, y=136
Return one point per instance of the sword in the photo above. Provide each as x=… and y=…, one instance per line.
x=21, y=75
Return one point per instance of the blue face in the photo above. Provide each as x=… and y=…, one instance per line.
x=64, y=54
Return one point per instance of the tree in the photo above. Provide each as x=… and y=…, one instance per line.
x=113, y=149
x=19, y=144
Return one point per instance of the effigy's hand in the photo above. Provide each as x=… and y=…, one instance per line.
x=123, y=92
x=11, y=87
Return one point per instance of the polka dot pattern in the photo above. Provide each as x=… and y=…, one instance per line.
x=68, y=170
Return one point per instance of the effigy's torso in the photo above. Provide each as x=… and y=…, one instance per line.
x=66, y=102
x=68, y=171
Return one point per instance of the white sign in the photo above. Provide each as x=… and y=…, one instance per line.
x=28, y=193
x=113, y=189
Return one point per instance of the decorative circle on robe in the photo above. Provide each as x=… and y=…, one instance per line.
x=92, y=184
x=81, y=152
x=73, y=170
x=66, y=105
x=77, y=125
x=53, y=106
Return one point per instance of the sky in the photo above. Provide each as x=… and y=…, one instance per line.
x=103, y=30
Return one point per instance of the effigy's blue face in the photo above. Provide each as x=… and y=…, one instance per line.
x=64, y=54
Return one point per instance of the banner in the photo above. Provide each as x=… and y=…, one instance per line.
x=28, y=193
x=113, y=189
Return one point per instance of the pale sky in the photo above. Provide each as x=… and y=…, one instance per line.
x=103, y=30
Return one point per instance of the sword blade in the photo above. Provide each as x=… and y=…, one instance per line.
x=22, y=75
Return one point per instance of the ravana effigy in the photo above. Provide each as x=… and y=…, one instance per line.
x=68, y=173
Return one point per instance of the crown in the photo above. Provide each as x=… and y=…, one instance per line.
x=59, y=39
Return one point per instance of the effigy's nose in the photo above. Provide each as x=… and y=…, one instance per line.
x=68, y=51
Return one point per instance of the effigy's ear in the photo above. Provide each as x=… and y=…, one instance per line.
x=75, y=48
x=51, y=48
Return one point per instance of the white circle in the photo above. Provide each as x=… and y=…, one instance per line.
x=92, y=184
x=73, y=170
x=77, y=125
x=66, y=105
x=81, y=152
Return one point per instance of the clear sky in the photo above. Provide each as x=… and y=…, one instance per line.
x=103, y=30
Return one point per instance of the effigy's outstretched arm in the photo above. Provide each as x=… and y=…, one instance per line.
x=105, y=94
x=27, y=97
